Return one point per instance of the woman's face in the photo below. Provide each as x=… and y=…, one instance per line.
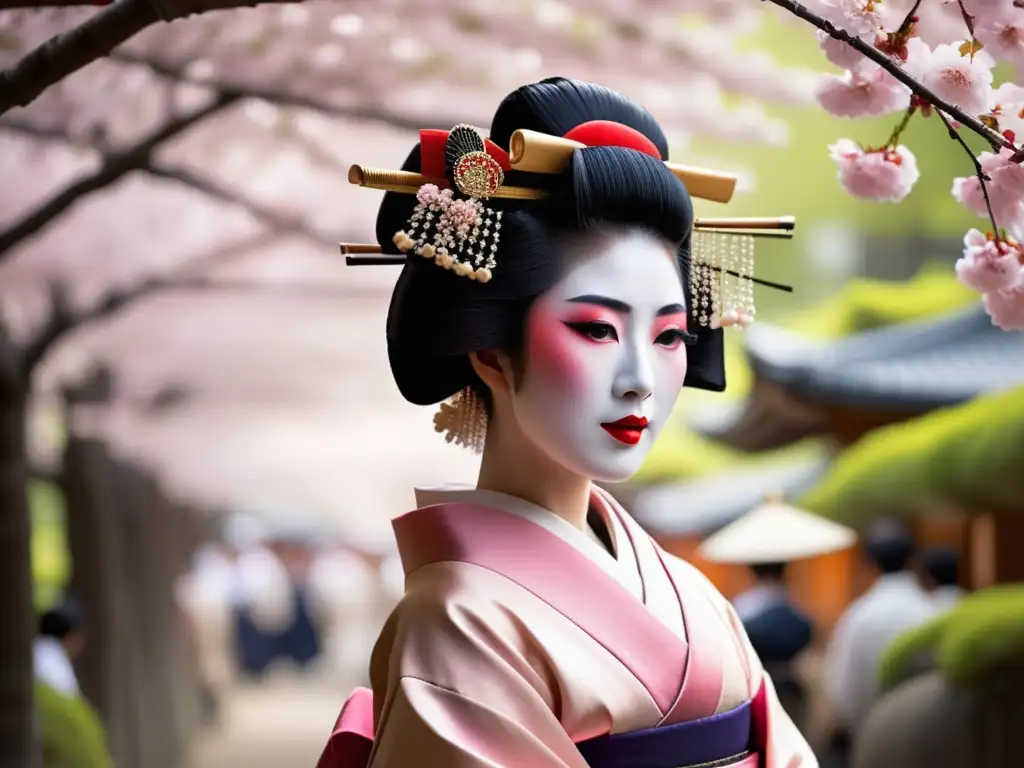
x=604, y=355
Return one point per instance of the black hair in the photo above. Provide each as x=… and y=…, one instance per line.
x=942, y=566
x=61, y=620
x=437, y=318
x=891, y=549
x=769, y=570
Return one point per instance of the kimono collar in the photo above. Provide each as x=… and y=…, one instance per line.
x=623, y=569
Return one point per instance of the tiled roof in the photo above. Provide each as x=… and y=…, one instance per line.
x=916, y=366
x=703, y=506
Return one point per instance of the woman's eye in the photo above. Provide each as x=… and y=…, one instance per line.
x=674, y=337
x=595, y=331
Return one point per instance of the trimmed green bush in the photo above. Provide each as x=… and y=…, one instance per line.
x=969, y=455
x=71, y=732
x=974, y=644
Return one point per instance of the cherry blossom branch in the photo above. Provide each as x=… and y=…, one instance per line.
x=8, y=5
x=894, y=137
x=982, y=176
x=968, y=19
x=283, y=98
x=886, y=63
x=94, y=38
x=273, y=220
x=64, y=317
x=909, y=18
x=114, y=166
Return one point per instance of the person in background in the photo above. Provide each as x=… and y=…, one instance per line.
x=68, y=729
x=263, y=598
x=60, y=639
x=777, y=629
x=940, y=577
x=205, y=596
x=300, y=640
x=893, y=604
x=779, y=633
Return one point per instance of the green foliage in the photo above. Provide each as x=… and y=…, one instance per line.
x=51, y=563
x=864, y=305
x=71, y=733
x=974, y=644
x=969, y=455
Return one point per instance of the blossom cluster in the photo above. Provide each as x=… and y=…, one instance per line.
x=958, y=75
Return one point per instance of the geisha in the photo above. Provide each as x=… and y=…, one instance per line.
x=547, y=301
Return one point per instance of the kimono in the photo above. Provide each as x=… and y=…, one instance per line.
x=523, y=642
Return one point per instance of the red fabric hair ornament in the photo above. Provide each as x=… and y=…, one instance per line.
x=596, y=133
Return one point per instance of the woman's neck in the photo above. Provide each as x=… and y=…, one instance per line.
x=512, y=465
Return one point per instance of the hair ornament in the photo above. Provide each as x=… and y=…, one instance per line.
x=462, y=419
x=722, y=268
x=453, y=225
x=458, y=233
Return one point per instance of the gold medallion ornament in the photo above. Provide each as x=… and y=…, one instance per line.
x=458, y=233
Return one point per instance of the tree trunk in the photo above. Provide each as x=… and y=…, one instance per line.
x=111, y=660
x=152, y=601
x=17, y=616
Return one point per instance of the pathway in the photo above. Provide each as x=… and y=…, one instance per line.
x=282, y=723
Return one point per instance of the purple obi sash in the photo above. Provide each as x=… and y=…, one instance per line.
x=721, y=739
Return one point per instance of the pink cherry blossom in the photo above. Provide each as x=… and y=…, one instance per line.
x=885, y=175
x=982, y=8
x=964, y=81
x=1006, y=308
x=866, y=92
x=1008, y=108
x=861, y=17
x=987, y=265
x=1002, y=33
x=1005, y=188
x=840, y=53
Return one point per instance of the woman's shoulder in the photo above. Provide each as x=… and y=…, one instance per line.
x=453, y=602
x=459, y=626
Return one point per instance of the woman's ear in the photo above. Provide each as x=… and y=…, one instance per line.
x=493, y=368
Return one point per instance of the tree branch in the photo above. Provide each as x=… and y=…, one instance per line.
x=94, y=38
x=114, y=167
x=272, y=219
x=982, y=176
x=10, y=5
x=798, y=9
x=63, y=318
x=283, y=98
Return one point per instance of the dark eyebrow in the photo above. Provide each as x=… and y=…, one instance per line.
x=671, y=309
x=603, y=301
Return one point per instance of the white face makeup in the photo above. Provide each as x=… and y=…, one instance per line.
x=605, y=358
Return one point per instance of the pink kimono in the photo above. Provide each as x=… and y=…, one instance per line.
x=523, y=642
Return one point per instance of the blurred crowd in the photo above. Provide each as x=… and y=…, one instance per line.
x=260, y=599
x=906, y=589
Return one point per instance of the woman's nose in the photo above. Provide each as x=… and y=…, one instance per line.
x=635, y=380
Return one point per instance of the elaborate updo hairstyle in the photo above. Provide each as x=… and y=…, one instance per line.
x=437, y=318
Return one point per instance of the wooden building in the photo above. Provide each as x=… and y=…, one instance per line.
x=864, y=384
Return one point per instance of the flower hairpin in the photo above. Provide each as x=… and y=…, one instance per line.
x=458, y=233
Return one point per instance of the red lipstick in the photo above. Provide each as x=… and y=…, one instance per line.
x=628, y=430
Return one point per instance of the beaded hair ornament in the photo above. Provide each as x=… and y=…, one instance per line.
x=456, y=224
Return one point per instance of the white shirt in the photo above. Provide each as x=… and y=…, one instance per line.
x=947, y=597
x=53, y=667
x=262, y=585
x=758, y=599
x=894, y=604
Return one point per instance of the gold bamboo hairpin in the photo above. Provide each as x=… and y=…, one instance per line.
x=453, y=225
x=540, y=153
